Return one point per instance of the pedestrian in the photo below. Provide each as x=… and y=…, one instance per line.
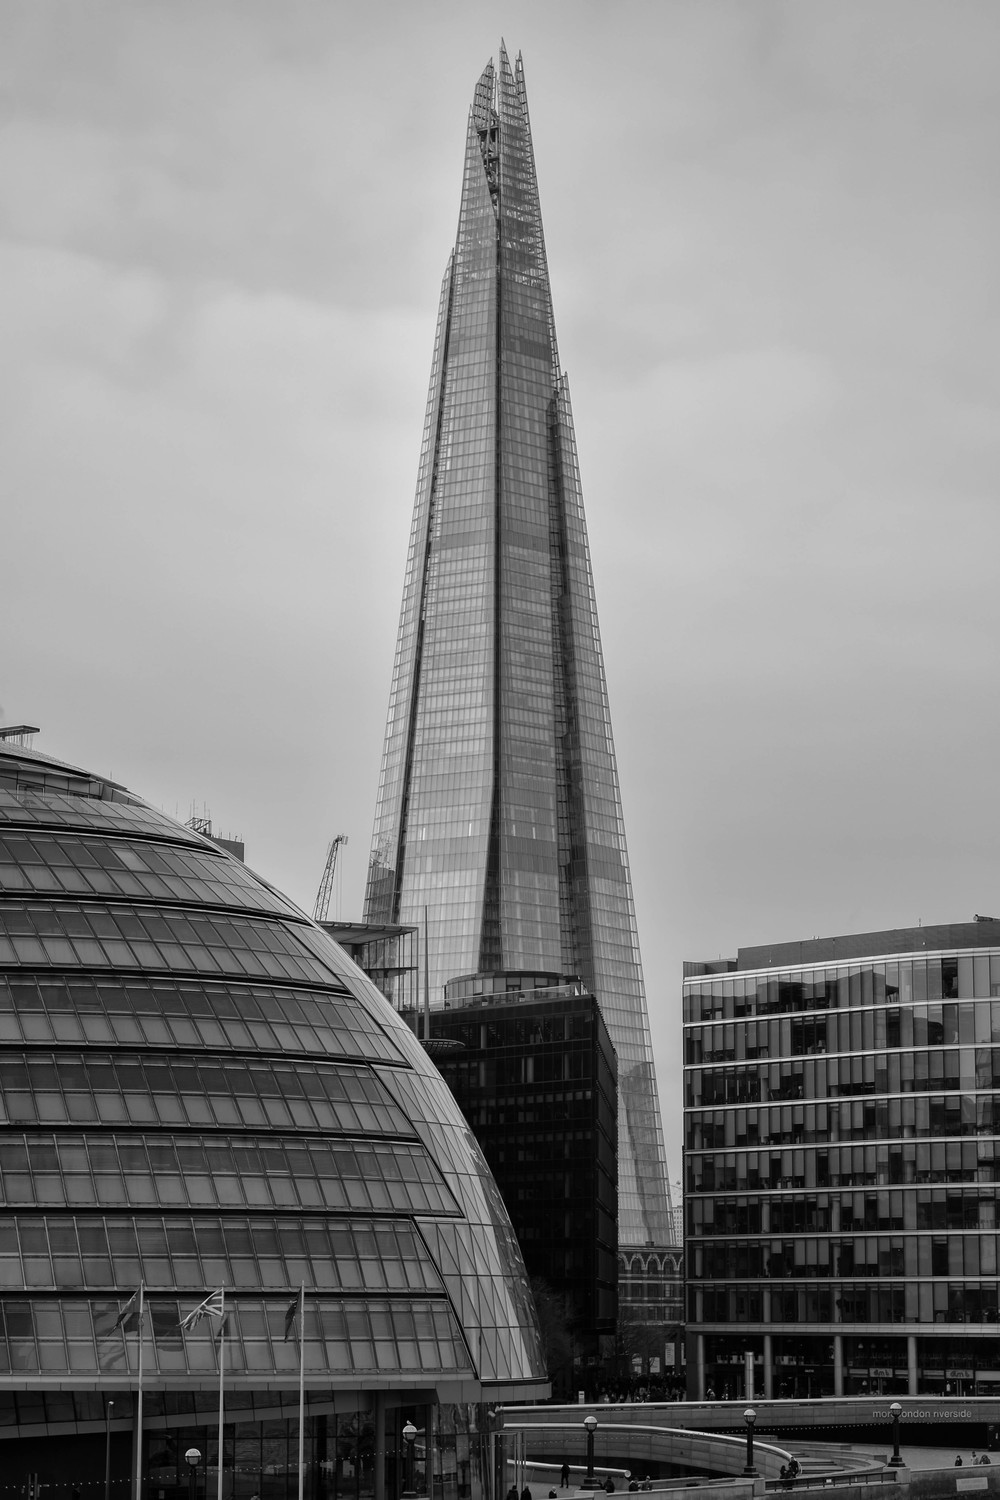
x=564, y=1474
x=958, y=1460
x=512, y=1493
x=984, y=1458
x=609, y=1486
x=525, y=1493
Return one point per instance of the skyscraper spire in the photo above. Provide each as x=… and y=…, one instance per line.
x=498, y=807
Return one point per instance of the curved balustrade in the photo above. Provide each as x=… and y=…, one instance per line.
x=638, y=1446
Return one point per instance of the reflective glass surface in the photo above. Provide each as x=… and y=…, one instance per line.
x=210, y=1171
x=99, y=934
x=180, y=1013
x=348, y=1337
x=327, y=1254
x=842, y=1150
x=199, y=1089
x=76, y=865
x=129, y=1088
x=499, y=810
x=479, y=1259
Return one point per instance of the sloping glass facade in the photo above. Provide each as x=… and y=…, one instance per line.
x=498, y=811
x=198, y=1089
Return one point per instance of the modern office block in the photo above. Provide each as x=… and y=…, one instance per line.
x=842, y=1148
x=498, y=811
x=200, y=1092
x=533, y=1071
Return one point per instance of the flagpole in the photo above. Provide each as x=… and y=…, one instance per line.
x=427, y=980
x=138, y=1436
x=302, y=1386
x=222, y=1372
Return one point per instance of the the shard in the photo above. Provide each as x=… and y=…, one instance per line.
x=499, y=811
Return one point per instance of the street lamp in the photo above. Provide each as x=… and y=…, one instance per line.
x=193, y=1458
x=107, y=1450
x=409, y=1437
x=590, y=1481
x=895, y=1412
x=750, y=1417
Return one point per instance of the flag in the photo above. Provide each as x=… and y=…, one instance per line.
x=128, y=1311
x=212, y=1306
x=291, y=1313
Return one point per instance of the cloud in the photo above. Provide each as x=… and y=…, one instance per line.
x=772, y=233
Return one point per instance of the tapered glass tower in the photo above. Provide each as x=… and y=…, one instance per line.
x=498, y=810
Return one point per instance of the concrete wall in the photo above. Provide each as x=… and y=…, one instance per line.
x=643, y=1448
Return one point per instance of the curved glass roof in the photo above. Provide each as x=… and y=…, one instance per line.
x=199, y=1089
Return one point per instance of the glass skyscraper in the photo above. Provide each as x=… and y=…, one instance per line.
x=498, y=811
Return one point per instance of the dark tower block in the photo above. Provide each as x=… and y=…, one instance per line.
x=498, y=809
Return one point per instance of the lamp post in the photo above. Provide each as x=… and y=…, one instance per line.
x=750, y=1417
x=107, y=1449
x=409, y=1437
x=193, y=1458
x=895, y=1412
x=590, y=1481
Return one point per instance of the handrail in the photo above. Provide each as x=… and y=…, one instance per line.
x=875, y=1474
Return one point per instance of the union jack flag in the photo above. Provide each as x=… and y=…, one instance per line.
x=128, y=1311
x=213, y=1306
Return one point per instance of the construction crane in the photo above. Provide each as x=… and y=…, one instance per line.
x=322, y=908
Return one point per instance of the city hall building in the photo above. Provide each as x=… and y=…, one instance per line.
x=841, y=1152
x=200, y=1094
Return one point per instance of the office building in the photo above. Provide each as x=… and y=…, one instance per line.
x=841, y=1152
x=534, y=1074
x=201, y=1092
x=498, y=811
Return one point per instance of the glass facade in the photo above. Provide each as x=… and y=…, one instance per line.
x=499, y=811
x=198, y=1089
x=534, y=1073
x=842, y=1149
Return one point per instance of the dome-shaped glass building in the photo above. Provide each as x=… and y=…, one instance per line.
x=198, y=1092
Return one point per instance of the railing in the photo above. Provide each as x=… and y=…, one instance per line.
x=873, y=1474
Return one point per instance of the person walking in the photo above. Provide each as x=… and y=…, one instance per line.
x=564, y=1475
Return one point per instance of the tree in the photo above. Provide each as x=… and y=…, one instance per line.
x=555, y=1324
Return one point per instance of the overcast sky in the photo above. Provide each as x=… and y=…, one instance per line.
x=773, y=238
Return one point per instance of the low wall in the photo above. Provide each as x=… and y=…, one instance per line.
x=643, y=1447
x=977, y=1481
